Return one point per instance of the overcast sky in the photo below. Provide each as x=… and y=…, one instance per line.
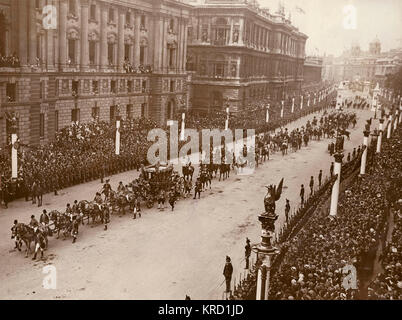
x=324, y=19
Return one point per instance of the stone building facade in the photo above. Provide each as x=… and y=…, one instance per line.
x=73, y=62
x=239, y=53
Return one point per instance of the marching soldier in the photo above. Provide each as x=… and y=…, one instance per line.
x=247, y=253
x=227, y=272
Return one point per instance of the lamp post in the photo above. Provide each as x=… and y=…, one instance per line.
x=265, y=250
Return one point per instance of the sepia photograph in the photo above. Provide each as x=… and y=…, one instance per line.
x=207, y=150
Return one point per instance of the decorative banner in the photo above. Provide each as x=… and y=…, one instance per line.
x=117, y=137
x=293, y=105
x=14, y=157
x=267, y=115
x=183, y=117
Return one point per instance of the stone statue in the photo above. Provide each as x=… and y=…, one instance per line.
x=269, y=217
x=12, y=121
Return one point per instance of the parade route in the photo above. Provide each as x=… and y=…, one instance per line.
x=185, y=248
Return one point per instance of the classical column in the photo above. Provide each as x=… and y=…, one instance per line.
x=137, y=33
x=184, y=58
x=120, y=41
x=84, y=35
x=32, y=33
x=23, y=31
x=267, y=114
x=231, y=31
x=397, y=119
x=62, y=33
x=335, y=188
x=364, y=155
x=227, y=119
x=103, y=38
x=389, y=126
x=379, y=140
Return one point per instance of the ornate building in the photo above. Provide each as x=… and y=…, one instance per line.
x=240, y=53
x=312, y=71
x=81, y=59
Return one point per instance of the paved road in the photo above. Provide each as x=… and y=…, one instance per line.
x=163, y=255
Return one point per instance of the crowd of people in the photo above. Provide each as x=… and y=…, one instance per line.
x=387, y=285
x=328, y=257
x=9, y=61
x=129, y=68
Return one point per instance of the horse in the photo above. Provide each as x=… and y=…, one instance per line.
x=206, y=179
x=26, y=234
x=95, y=210
x=60, y=221
x=224, y=171
x=188, y=172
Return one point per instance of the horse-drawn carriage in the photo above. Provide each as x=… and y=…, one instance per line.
x=159, y=178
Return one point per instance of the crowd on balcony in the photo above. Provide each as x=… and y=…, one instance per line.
x=129, y=68
x=9, y=61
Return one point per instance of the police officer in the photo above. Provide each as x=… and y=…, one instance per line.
x=331, y=169
x=227, y=272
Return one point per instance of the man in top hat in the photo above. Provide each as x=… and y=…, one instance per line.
x=227, y=272
x=247, y=253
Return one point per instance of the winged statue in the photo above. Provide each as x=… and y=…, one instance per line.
x=273, y=195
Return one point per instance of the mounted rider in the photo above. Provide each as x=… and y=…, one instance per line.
x=106, y=188
x=34, y=224
x=98, y=200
